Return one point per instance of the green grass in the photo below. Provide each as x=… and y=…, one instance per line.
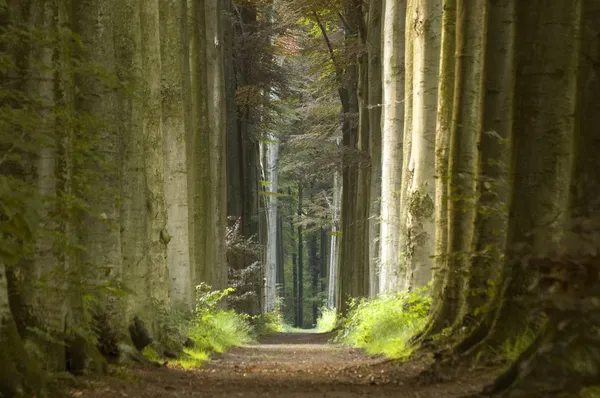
x=192, y=358
x=219, y=331
x=327, y=321
x=384, y=325
x=211, y=328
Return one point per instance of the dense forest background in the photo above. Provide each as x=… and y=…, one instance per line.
x=311, y=155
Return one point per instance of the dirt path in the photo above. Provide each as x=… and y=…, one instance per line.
x=287, y=365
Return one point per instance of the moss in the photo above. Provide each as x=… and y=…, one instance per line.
x=421, y=206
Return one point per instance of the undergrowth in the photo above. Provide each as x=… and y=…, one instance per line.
x=327, y=321
x=384, y=324
x=211, y=329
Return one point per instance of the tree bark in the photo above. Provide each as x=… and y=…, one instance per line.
x=300, y=299
x=374, y=109
x=417, y=236
x=175, y=153
x=100, y=230
x=466, y=127
x=391, y=144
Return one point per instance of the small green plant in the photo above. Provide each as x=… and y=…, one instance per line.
x=327, y=321
x=512, y=350
x=384, y=325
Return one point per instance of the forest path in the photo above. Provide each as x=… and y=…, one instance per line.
x=286, y=365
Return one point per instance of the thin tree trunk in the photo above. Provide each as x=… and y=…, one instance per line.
x=313, y=260
x=442, y=144
x=200, y=146
x=217, y=123
x=374, y=106
x=333, y=257
x=300, y=300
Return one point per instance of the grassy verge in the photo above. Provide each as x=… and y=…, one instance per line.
x=385, y=324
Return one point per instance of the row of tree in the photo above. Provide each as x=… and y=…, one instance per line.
x=478, y=122
x=126, y=142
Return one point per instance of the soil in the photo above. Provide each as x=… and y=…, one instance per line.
x=290, y=365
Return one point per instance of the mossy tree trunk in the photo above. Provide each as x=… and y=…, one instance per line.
x=442, y=144
x=465, y=129
x=100, y=230
x=543, y=158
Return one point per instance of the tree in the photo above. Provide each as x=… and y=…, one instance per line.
x=391, y=142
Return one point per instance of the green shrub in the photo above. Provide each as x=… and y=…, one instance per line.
x=213, y=328
x=209, y=329
x=327, y=320
x=384, y=325
x=269, y=322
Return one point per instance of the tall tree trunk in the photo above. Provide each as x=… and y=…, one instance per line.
x=494, y=171
x=175, y=154
x=352, y=259
x=361, y=224
x=374, y=99
x=100, y=230
x=128, y=44
x=45, y=301
x=465, y=130
x=417, y=234
x=538, y=217
x=391, y=141
x=442, y=145
x=217, y=124
x=200, y=146
x=156, y=210
x=557, y=101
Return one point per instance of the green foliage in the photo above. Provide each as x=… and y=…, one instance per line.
x=327, y=321
x=269, y=322
x=384, y=325
x=590, y=392
x=215, y=329
x=209, y=328
x=511, y=350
